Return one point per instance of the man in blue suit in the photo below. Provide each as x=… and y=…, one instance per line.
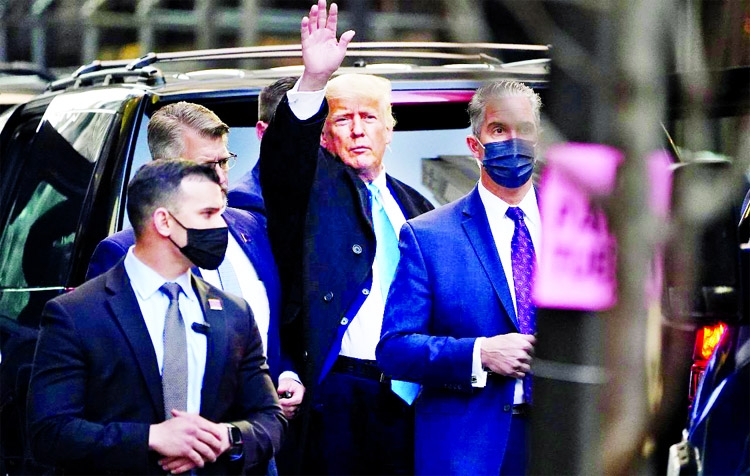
x=247, y=194
x=195, y=133
x=147, y=368
x=459, y=318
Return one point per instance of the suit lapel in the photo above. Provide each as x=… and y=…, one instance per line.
x=477, y=229
x=410, y=205
x=216, y=344
x=124, y=307
x=245, y=237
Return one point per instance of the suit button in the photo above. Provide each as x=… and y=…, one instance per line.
x=357, y=249
x=365, y=291
x=506, y=408
x=344, y=321
x=328, y=297
x=304, y=355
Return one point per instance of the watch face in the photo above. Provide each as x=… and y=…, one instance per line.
x=235, y=435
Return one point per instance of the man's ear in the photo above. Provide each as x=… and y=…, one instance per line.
x=323, y=141
x=161, y=222
x=475, y=147
x=389, y=135
x=260, y=129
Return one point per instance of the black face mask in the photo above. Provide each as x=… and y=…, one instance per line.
x=206, y=247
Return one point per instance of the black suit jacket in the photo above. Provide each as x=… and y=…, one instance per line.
x=320, y=226
x=96, y=387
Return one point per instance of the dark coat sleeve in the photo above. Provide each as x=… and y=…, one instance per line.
x=59, y=431
x=409, y=348
x=289, y=156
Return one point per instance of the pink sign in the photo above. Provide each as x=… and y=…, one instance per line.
x=577, y=263
x=578, y=258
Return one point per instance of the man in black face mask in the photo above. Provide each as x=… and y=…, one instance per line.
x=193, y=132
x=459, y=318
x=148, y=368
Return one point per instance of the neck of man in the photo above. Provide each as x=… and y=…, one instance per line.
x=159, y=254
x=369, y=175
x=511, y=196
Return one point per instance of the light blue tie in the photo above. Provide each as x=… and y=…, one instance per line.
x=229, y=281
x=386, y=257
x=386, y=250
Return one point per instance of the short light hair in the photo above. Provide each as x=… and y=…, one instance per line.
x=270, y=97
x=363, y=86
x=165, y=129
x=501, y=89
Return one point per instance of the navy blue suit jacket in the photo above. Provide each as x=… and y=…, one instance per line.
x=96, y=387
x=251, y=235
x=247, y=194
x=320, y=226
x=448, y=290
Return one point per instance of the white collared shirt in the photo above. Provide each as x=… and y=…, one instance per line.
x=363, y=333
x=153, y=304
x=502, y=228
x=252, y=288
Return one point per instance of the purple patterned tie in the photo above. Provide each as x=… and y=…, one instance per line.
x=522, y=261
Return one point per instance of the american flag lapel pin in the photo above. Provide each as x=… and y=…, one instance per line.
x=215, y=304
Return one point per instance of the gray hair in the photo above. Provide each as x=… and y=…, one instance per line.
x=496, y=90
x=168, y=123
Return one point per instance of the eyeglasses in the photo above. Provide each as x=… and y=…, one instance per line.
x=226, y=163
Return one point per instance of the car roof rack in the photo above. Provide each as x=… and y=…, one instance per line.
x=148, y=75
x=144, y=70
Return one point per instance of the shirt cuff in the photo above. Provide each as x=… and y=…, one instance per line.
x=478, y=374
x=291, y=375
x=305, y=104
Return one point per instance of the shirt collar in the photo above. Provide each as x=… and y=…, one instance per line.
x=381, y=182
x=497, y=207
x=145, y=281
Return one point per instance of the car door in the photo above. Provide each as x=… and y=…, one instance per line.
x=59, y=156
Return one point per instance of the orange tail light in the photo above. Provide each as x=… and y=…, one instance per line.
x=706, y=341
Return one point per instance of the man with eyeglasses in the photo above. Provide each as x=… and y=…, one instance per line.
x=193, y=132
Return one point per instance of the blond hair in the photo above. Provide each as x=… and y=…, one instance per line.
x=363, y=86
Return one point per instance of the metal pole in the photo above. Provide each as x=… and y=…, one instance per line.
x=250, y=20
x=641, y=72
x=144, y=10
x=205, y=27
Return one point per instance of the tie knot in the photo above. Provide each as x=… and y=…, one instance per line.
x=515, y=214
x=374, y=194
x=172, y=290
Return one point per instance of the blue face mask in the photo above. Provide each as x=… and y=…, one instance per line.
x=509, y=163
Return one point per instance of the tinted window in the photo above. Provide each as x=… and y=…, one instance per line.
x=53, y=171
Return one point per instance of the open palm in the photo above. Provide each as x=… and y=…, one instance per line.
x=321, y=52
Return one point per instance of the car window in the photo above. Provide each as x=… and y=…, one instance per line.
x=55, y=165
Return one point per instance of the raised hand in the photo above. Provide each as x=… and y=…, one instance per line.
x=322, y=54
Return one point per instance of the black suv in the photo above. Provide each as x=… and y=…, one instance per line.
x=67, y=155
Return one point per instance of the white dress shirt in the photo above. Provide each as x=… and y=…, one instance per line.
x=153, y=304
x=502, y=228
x=363, y=333
x=253, y=289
